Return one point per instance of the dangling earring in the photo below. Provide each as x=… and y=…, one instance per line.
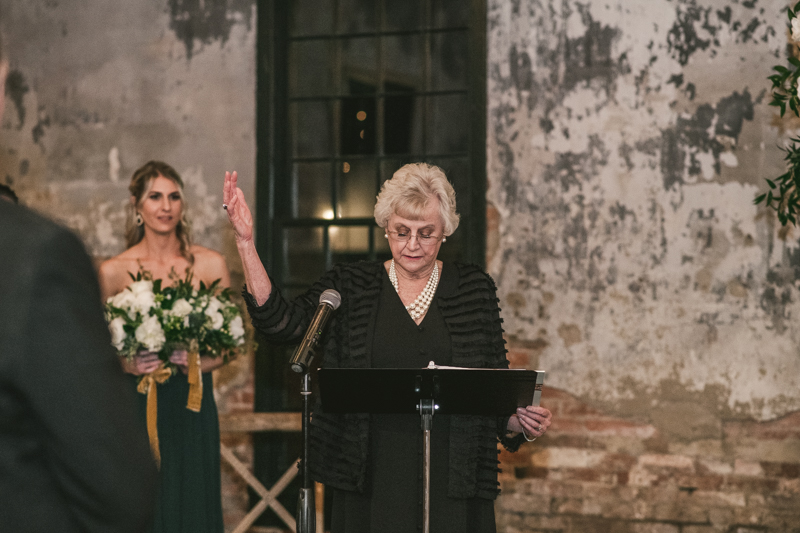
x=138, y=219
x=385, y=236
x=444, y=239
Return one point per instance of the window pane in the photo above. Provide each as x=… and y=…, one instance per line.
x=312, y=190
x=311, y=131
x=403, y=15
x=404, y=61
x=448, y=124
x=359, y=72
x=357, y=126
x=449, y=53
x=311, y=17
x=356, y=188
x=381, y=244
x=450, y=13
x=349, y=243
x=305, y=259
x=457, y=172
x=402, y=121
x=390, y=165
x=310, y=68
x=356, y=16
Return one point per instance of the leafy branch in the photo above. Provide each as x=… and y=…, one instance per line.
x=783, y=196
x=784, y=192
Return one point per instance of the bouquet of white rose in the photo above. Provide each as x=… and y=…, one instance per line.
x=148, y=317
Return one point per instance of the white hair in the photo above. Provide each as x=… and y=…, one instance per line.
x=409, y=191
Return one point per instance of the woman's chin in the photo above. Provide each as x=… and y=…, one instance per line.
x=163, y=229
x=413, y=264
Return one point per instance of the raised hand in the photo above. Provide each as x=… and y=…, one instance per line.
x=255, y=276
x=238, y=212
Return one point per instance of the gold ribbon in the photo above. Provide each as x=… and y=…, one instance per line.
x=148, y=385
x=195, y=378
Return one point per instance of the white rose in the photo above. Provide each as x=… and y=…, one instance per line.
x=150, y=334
x=796, y=29
x=141, y=286
x=212, y=311
x=117, y=332
x=237, y=330
x=214, y=305
x=122, y=300
x=143, y=301
x=217, y=320
x=181, y=308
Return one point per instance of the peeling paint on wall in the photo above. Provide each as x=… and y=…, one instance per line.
x=99, y=88
x=626, y=142
x=206, y=21
x=16, y=87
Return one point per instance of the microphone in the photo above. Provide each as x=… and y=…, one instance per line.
x=329, y=301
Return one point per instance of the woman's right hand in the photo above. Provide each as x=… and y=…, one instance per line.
x=238, y=212
x=142, y=363
x=255, y=276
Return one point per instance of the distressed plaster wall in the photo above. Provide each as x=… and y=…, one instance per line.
x=97, y=88
x=626, y=141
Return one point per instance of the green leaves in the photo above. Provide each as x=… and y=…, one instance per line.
x=784, y=86
x=783, y=191
x=782, y=196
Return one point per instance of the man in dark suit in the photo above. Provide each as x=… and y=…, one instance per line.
x=73, y=456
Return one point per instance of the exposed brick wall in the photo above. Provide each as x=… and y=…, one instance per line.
x=593, y=472
x=234, y=390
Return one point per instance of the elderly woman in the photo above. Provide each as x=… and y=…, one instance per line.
x=404, y=312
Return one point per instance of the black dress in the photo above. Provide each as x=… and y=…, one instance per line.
x=189, y=491
x=392, y=500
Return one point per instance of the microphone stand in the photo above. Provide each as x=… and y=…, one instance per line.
x=329, y=301
x=306, y=510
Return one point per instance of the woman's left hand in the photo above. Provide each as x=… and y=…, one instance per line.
x=180, y=358
x=532, y=421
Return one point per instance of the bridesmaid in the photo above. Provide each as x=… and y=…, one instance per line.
x=159, y=241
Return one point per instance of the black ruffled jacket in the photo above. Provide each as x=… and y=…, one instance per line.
x=338, y=456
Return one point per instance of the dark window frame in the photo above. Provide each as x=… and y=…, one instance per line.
x=275, y=386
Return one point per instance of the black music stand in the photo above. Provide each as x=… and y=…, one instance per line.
x=446, y=390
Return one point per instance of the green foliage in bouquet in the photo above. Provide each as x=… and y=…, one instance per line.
x=149, y=317
x=783, y=192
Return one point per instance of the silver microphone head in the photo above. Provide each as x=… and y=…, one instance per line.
x=330, y=297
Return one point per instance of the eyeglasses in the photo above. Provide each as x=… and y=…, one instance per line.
x=424, y=239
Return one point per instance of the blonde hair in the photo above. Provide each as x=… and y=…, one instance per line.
x=409, y=191
x=141, y=182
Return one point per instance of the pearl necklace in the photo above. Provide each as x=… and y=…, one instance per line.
x=423, y=301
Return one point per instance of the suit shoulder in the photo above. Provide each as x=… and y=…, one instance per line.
x=23, y=218
x=27, y=229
